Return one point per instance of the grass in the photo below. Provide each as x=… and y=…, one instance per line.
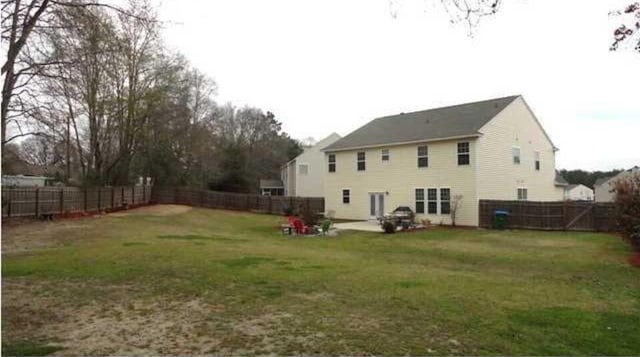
x=440, y=291
x=28, y=348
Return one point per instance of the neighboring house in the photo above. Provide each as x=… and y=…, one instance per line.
x=26, y=181
x=603, y=186
x=578, y=193
x=304, y=176
x=271, y=187
x=493, y=149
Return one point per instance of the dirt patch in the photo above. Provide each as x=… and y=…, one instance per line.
x=120, y=321
x=154, y=210
x=34, y=235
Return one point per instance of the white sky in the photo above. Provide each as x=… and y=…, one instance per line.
x=333, y=65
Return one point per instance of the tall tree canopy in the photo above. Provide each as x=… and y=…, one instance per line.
x=107, y=103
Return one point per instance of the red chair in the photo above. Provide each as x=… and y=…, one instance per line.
x=298, y=226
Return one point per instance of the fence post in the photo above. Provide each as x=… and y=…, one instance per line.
x=61, y=200
x=113, y=197
x=133, y=194
x=144, y=193
x=9, y=205
x=37, y=202
x=269, y=204
x=99, y=198
x=85, y=199
x=122, y=195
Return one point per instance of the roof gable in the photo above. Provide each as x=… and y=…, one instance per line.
x=463, y=120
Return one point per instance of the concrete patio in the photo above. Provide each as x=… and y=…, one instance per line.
x=367, y=226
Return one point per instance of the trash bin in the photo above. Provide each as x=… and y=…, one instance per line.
x=500, y=219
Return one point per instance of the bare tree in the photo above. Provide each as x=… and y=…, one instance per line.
x=628, y=33
x=456, y=202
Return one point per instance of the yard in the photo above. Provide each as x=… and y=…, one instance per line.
x=176, y=280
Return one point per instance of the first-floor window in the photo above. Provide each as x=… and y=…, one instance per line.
x=419, y=200
x=432, y=201
x=332, y=163
x=445, y=201
x=522, y=193
x=346, y=196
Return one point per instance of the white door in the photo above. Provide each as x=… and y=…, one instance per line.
x=376, y=205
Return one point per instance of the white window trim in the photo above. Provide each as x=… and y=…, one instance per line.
x=382, y=155
x=467, y=153
x=518, y=193
x=519, y=155
x=440, y=200
x=358, y=161
x=335, y=163
x=303, y=164
x=424, y=200
x=418, y=157
x=342, y=195
x=427, y=200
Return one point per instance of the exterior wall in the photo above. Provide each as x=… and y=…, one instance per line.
x=399, y=177
x=312, y=184
x=603, y=192
x=498, y=177
x=288, y=177
x=579, y=193
x=23, y=181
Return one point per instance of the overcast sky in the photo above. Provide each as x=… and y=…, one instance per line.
x=332, y=65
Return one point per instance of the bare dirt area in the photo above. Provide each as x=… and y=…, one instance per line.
x=154, y=210
x=35, y=234
x=125, y=325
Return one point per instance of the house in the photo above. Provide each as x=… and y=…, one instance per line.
x=271, y=187
x=428, y=160
x=603, y=186
x=304, y=175
x=578, y=193
x=26, y=181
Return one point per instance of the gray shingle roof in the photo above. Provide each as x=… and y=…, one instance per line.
x=270, y=183
x=440, y=123
x=601, y=180
x=560, y=180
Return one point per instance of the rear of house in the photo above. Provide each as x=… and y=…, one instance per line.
x=430, y=160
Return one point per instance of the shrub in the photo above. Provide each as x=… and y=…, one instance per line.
x=288, y=210
x=308, y=216
x=388, y=227
x=627, y=200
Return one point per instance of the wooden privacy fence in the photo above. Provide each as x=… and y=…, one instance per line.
x=567, y=215
x=235, y=201
x=37, y=201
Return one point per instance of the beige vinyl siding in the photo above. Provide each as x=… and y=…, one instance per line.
x=498, y=177
x=400, y=176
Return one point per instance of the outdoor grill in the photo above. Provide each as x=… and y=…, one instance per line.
x=400, y=215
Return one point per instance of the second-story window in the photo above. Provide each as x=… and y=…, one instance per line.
x=515, y=153
x=385, y=155
x=332, y=162
x=362, y=165
x=536, y=155
x=463, y=153
x=304, y=169
x=423, y=156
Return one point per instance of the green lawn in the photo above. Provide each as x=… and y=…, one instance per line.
x=211, y=281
